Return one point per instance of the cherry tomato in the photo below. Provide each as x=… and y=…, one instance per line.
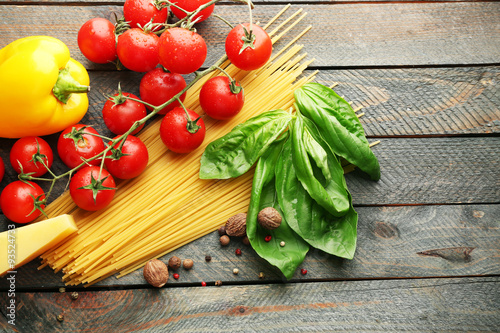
x=74, y=144
x=140, y=12
x=120, y=114
x=159, y=86
x=2, y=169
x=90, y=191
x=178, y=134
x=96, y=40
x=218, y=100
x=132, y=160
x=182, y=51
x=191, y=5
x=21, y=202
x=248, y=58
x=31, y=153
x=138, y=50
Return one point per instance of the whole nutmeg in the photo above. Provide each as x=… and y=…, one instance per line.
x=156, y=273
x=187, y=264
x=236, y=225
x=174, y=262
x=224, y=240
x=269, y=218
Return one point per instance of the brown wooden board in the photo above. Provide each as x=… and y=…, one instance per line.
x=393, y=242
x=428, y=305
x=368, y=34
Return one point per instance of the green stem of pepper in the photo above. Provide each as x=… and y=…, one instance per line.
x=67, y=85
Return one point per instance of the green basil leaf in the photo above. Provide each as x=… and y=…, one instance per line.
x=334, y=235
x=317, y=153
x=339, y=125
x=234, y=154
x=332, y=194
x=290, y=256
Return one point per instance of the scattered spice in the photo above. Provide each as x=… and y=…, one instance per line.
x=222, y=230
x=245, y=240
x=236, y=225
x=62, y=290
x=262, y=275
x=208, y=258
x=187, y=264
x=303, y=271
x=74, y=295
x=60, y=317
x=236, y=271
x=156, y=273
x=174, y=262
x=238, y=252
x=224, y=240
x=282, y=243
x=218, y=283
x=269, y=218
x=176, y=276
x=203, y=284
x=268, y=238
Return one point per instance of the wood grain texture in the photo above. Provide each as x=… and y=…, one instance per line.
x=402, y=34
x=391, y=244
x=429, y=305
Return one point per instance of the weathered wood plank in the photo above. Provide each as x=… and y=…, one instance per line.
x=390, y=245
x=347, y=35
x=414, y=171
x=430, y=305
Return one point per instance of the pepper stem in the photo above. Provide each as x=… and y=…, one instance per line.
x=67, y=85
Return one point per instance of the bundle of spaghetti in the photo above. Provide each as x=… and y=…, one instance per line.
x=168, y=206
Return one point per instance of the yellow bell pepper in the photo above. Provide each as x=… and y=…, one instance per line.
x=42, y=89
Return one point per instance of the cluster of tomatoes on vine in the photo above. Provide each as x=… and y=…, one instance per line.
x=143, y=41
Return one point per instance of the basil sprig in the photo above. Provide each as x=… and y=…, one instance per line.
x=299, y=173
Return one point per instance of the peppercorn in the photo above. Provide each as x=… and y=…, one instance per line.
x=174, y=262
x=74, y=295
x=208, y=258
x=222, y=230
x=176, y=276
x=236, y=271
x=268, y=238
x=62, y=290
x=282, y=243
x=238, y=252
x=303, y=271
x=262, y=275
x=60, y=317
x=245, y=240
x=224, y=240
x=187, y=264
x=203, y=284
x=218, y=283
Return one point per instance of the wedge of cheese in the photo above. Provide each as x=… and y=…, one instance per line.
x=30, y=241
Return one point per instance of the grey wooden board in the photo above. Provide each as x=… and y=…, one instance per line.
x=368, y=34
x=393, y=242
x=422, y=305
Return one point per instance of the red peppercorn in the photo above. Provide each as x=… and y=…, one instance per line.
x=303, y=271
x=238, y=252
x=203, y=284
x=176, y=276
x=268, y=238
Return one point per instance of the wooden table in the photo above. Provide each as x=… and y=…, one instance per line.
x=428, y=259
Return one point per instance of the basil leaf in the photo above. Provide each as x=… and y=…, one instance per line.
x=234, y=154
x=317, y=153
x=290, y=256
x=334, y=235
x=330, y=194
x=339, y=125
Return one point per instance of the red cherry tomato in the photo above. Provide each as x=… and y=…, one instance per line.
x=175, y=131
x=191, y=5
x=90, y=191
x=249, y=58
x=140, y=12
x=20, y=201
x=74, y=144
x=120, y=114
x=2, y=169
x=132, y=160
x=158, y=86
x=28, y=153
x=182, y=51
x=218, y=100
x=96, y=40
x=138, y=50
